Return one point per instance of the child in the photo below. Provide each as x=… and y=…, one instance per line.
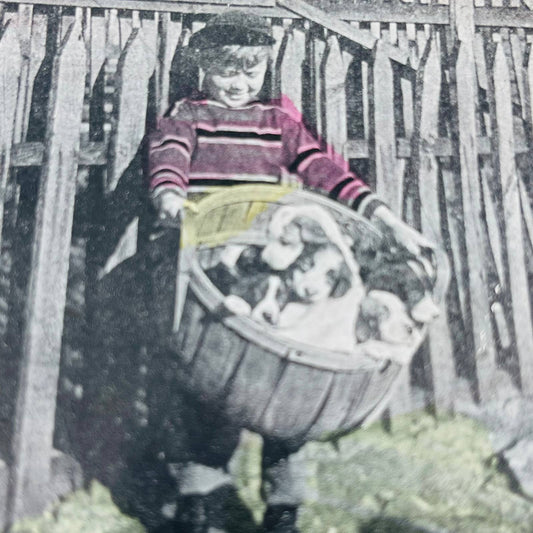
x=228, y=136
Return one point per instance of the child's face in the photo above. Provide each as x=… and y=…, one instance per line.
x=235, y=86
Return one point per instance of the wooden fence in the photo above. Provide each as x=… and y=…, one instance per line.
x=430, y=101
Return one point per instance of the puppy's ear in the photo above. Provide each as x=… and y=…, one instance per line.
x=371, y=313
x=343, y=283
x=310, y=230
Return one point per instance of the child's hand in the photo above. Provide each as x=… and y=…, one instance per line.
x=169, y=204
x=405, y=237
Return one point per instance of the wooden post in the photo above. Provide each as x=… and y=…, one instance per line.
x=10, y=65
x=425, y=167
x=335, y=102
x=504, y=160
x=388, y=187
x=291, y=66
x=466, y=91
x=34, y=421
x=136, y=64
x=169, y=32
x=383, y=131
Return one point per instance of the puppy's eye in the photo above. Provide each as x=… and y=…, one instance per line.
x=409, y=330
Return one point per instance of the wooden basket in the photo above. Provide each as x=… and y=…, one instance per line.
x=270, y=385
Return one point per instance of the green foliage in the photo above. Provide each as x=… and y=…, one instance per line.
x=427, y=475
x=89, y=511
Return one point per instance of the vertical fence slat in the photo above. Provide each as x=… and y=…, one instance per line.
x=527, y=212
x=135, y=68
x=10, y=66
x=136, y=64
x=529, y=87
x=504, y=152
x=384, y=145
x=489, y=198
x=462, y=20
x=335, y=101
x=98, y=45
x=169, y=33
x=426, y=167
x=291, y=66
x=318, y=51
x=34, y=421
x=384, y=160
x=517, y=41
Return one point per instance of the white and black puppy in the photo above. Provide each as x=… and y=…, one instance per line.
x=385, y=329
x=410, y=282
x=251, y=288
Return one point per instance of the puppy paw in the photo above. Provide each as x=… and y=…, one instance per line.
x=266, y=312
x=401, y=354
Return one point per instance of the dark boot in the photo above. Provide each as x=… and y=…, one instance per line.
x=280, y=519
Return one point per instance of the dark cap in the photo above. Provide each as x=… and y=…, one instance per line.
x=233, y=27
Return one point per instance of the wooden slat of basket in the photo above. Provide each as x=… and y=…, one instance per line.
x=253, y=383
x=236, y=214
x=212, y=221
x=298, y=397
x=218, y=355
x=345, y=390
x=378, y=386
x=191, y=328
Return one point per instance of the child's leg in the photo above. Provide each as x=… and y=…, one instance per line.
x=284, y=485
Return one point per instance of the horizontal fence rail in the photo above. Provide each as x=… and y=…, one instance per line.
x=430, y=101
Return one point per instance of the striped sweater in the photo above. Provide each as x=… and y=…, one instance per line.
x=204, y=143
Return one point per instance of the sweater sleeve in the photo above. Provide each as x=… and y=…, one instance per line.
x=170, y=146
x=304, y=156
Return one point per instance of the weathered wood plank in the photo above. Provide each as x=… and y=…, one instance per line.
x=98, y=46
x=289, y=413
x=169, y=32
x=527, y=211
x=10, y=67
x=426, y=168
x=517, y=41
x=94, y=153
x=367, y=12
x=462, y=20
x=345, y=389
x=337, y=25
x=529, y=89
x=383, y=131
x=505, y=164
x=4, y=482
x=31, y=154
x=335, y=102
x=256, y=378
x=136, y=64
x=290, y=59
x=32, y=35
x=218, y=355
x=34, y=421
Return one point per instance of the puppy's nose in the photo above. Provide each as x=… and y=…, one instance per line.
x=268, y=317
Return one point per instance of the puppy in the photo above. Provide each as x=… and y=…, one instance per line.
x=385, y=329
x=319, y=273
x=410, y=282
x=251, y=288
x=292, y=227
